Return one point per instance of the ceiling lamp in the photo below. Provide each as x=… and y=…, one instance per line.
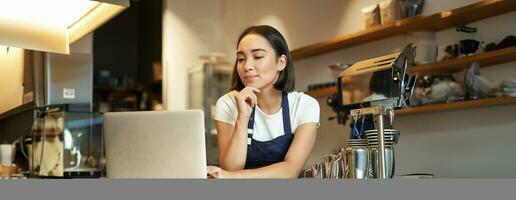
x=52, y=25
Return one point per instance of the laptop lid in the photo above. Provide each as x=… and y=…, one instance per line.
x=155, y=144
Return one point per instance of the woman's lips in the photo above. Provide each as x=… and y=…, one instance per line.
x=251, y=78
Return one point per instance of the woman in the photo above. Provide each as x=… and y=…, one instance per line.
x=264, y=128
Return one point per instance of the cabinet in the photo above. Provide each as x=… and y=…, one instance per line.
x=435, y=22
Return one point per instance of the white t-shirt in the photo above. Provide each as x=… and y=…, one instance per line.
x=303, y=109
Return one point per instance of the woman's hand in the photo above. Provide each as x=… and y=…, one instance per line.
x=217, y=172
x=246, y=99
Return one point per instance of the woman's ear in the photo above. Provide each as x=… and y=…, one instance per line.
x=282, y=63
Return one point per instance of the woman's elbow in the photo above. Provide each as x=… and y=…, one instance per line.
x=293, y=170
x=230, y=166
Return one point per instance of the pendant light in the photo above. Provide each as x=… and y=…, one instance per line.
x=52, y=25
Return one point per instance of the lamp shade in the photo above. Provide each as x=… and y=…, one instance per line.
x=52, y=25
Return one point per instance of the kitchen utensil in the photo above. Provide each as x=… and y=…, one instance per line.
x=357, y=158
x=426, y=48
x=355, y=142
x=343, y=163
x=469, y=46
x=318, y=171
x=476, y=85
x=373, y=164
x=466, y=29
x=508, y=41
x=332, y=166
x=371, y=15
x=375, y=139
x=390, y=11
x=414, y=7
x=391, y=136
x=387, y=130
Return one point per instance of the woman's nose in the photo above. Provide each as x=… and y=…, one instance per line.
x=249, y=65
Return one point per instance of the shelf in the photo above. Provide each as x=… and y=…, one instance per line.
x=458, y=64
x=17, y=110
x=448, y=66
x=435, y=22
x=432, y=107
x=457, y=105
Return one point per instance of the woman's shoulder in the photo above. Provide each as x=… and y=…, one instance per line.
x=228, y=97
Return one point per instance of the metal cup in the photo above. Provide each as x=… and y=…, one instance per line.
x=374, y=165
x=357, y=160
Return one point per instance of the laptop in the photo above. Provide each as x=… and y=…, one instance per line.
x=155, y=144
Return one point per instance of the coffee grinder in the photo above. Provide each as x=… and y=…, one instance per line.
x=375, y=87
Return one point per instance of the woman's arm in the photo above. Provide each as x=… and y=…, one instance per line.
x=232, y=142
x=291, y=167
x=233, y=139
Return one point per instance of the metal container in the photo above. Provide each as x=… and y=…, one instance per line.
x=357, y=161
x=373, y=165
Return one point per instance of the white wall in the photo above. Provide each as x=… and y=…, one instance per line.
x=465, y=143
x=11, y=78
x=190, y=28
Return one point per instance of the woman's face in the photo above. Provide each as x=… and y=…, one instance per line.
x=257, y=63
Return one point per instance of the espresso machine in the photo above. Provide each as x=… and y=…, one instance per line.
x=55, y=133
x=373, y=88
x=66, y=142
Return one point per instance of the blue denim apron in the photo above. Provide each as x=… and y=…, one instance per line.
x=260, y=154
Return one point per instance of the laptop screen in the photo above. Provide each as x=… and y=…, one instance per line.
x=155, y=144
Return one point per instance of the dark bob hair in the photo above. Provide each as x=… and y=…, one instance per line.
x=286, y=80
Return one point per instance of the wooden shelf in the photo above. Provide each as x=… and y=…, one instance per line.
x=448, y=66
x=435, y=22
x=431, y=107
x=457, y=105
x=455, y=65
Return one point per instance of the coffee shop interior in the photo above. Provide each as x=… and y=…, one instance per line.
x=455, y=117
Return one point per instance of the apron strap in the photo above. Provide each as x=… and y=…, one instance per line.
x=285, y=114
x=250, y=127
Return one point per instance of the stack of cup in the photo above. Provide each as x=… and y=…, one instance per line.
x=391, y=137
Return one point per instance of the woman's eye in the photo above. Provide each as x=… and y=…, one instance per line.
x=240, y=60
x=258, y=57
